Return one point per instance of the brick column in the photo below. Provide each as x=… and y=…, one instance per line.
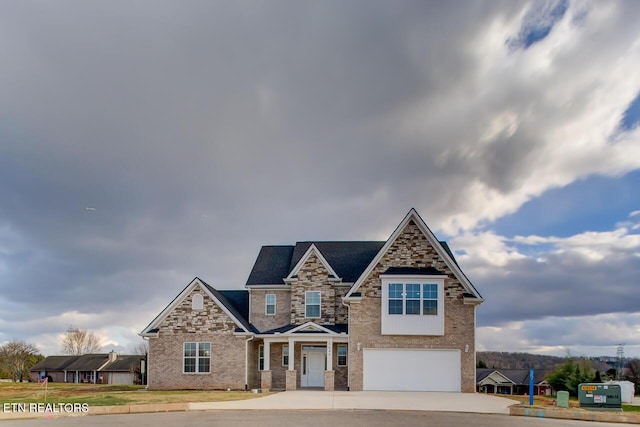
x=291, y=380
x=265, y=380
x=329, y=377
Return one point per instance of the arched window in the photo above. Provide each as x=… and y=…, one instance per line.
x=197, y=302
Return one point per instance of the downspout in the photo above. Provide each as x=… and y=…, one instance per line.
x=145, y=376
x=246, y=362
x=348, y=342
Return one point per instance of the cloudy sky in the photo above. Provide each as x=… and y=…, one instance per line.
x=143, y=143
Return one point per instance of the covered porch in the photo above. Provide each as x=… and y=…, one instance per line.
x=308, y=356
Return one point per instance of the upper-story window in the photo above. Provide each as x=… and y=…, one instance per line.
x=312, y=304
x=197, y=302
x=412, y=304
x=413, y=298
x=270, y=305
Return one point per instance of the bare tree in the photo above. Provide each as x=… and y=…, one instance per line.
x=141, y=348
x=17, y=357
x=80, y=341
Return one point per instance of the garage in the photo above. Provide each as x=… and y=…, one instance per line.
x=411, y=369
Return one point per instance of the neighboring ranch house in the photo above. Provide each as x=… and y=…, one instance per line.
x=354, y=315
x=110, y=368
x=511, y=381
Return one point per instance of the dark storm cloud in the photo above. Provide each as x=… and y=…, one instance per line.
x=202, y=130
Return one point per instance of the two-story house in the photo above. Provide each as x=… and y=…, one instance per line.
x=353, y=315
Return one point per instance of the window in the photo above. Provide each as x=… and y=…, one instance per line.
x=312, y=304
x=342, y=355
x=430, y=299
x=412, y=304
x=197, y=357
x=407, y=298
x=395, y=298
x=197, y=302
x=285, y=355
x=270, y=305
x=261, y=357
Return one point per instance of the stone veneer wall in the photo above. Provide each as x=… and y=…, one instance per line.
x=257, y=313
x=342, y=311
x=411, y=249
x=313, y=276
x=211, y=324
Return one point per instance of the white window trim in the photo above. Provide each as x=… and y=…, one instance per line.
x=346, y=360
x=285, y=353
x=412, y=324
x=306, y=297
x=266, y=305
x=197, y=357
x=261, y=357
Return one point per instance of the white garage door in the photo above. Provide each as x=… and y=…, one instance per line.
x=411, y=370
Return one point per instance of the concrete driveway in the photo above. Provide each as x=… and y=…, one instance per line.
x=398, y=400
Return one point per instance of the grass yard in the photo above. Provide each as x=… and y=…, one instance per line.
x=106, y=395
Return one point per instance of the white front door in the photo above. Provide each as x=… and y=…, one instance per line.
x=313, y=367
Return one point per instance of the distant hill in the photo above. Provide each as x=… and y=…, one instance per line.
x=505, y=360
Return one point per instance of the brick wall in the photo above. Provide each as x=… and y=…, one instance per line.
x=257, y=313
x=210, y=324
x=411, y=249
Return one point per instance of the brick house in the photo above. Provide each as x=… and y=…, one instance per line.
x=355, y=315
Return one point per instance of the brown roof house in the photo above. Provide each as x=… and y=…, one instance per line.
x=349, y=315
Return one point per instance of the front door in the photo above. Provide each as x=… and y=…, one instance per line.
x=313, y=367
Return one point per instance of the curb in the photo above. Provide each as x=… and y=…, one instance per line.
x=101, y=410
x=574, y=414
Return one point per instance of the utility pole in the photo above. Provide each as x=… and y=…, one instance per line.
x=620, y=361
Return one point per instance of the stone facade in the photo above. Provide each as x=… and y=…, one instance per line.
x=211, y=324
x=313, y=276
x=411, y=249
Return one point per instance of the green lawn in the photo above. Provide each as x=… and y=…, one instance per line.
x=106, y=395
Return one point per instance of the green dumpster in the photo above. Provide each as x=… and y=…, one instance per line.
x=607, y=397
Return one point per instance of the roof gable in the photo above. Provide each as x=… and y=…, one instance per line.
x=313, y=250
x=440, y=249
x=219, y=298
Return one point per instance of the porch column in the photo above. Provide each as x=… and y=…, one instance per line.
x=290, y=373
x=292, y=344
x=329, y=375
x=267, y=355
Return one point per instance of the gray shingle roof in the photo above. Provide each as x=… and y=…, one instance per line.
x=348, y=259
x=430, y=271
x=124, y=363
x=237, y=302
x=88, y=362
x=54, y=363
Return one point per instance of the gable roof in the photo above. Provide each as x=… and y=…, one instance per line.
x=233, y=303
x=347, y=259
x=442, y=250
x=309, y=328
x=123, y=363
x=312, y=250
x=516, y=376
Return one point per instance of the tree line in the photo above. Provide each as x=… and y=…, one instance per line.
x=17, y=357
